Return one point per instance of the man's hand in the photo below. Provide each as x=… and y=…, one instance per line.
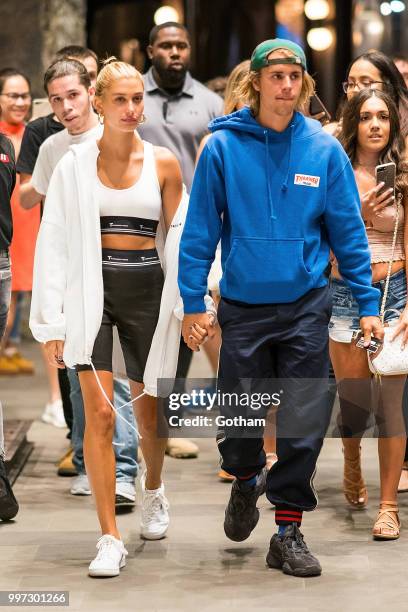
x=371, y=326
x=55, y=350
x=196, y=328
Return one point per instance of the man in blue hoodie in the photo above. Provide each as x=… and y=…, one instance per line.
x=280, y=193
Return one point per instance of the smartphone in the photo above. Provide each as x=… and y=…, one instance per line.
x=385, y=173
x=316, y=107
x=375, y=344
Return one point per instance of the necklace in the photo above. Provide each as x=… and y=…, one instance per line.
x=367, y=166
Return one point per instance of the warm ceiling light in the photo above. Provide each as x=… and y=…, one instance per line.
x=397, y=6
x=385, y=8
x=375, y=28
x=320, y=39
x=165, y=13
x=317, y=9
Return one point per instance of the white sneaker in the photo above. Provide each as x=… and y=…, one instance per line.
x=155, y=517
x=110, y=559
x=125, y=494
x=80, y=485
x=54, y=414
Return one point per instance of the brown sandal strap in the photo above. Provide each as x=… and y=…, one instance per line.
x=388, y=517
x=353, y=467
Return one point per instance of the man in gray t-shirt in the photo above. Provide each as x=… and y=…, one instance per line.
x=177, y=107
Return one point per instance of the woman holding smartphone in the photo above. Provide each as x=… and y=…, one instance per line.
x=371, y=136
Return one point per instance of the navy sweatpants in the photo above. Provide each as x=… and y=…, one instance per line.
x=289, y=342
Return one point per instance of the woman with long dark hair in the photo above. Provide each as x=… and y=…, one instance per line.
x=371, y=135
x=374, y=70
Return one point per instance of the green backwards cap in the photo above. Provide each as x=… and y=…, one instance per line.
x=259, y=57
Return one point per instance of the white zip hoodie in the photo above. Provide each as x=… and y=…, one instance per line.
x=67, y=296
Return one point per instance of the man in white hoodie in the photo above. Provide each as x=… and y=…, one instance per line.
x=68, y=86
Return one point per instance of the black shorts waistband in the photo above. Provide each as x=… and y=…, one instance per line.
x=126, y=259
x=133, y=226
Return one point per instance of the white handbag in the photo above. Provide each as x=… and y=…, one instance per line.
x=391, y=359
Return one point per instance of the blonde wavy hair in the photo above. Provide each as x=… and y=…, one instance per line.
x=246, y=91
x=112, y=70
x=235, y=78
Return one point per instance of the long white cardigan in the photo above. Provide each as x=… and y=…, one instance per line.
x=67, y=298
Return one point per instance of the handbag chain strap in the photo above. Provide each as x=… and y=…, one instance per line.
x=394, y=242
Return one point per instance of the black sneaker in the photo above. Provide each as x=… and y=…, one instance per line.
x=123, y=502
x=8, y=503
x=241, y=514
x=290, y=554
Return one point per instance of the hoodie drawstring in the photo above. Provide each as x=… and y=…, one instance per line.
x=285, y=183
x=268, y=176
x=284, y=187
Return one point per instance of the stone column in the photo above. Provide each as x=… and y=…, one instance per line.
x=32, y=30
x=62, y=23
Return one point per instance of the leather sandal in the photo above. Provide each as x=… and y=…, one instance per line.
x=353, y=484
x=387, y=526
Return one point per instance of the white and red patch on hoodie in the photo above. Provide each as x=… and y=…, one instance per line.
x=307, y=180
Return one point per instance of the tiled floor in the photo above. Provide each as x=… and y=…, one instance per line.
x=195, y=568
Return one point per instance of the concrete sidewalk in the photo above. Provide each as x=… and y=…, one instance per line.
x=52, y=540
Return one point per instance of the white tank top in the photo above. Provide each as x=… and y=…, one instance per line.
x=137, y=209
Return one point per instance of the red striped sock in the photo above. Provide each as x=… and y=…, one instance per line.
x=285, y=516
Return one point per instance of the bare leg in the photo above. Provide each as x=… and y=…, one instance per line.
x=52, y=377
x=269, y=444
x=98, y=451
x=392, y=435
x=353, y=380
x=391, y=452
x=152, y=447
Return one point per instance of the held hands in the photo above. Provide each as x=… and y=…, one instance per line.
x=372, y=203
x=54, y=350
x=196, y=329
x=371, y=326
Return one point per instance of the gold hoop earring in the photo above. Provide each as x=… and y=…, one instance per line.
x=100, y=118
x=142, y=119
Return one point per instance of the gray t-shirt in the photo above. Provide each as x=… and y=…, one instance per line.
x=179, y=122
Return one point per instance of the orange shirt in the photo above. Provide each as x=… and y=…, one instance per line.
x=25, y=226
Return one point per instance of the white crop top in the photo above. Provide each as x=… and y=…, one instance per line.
x=137, y=209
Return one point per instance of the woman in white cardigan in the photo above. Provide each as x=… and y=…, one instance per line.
x=96, y=266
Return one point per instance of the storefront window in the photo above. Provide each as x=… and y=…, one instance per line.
x=289, y=15
x=380, y=25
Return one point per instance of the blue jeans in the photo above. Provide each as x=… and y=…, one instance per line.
x=15, y=333
x=125, y=440
x=345, y=319
x=5, y=292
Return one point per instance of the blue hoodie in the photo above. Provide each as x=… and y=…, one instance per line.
x=279, y=201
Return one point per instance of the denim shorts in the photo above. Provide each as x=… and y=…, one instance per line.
x=345, y=319
x=5, y=289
